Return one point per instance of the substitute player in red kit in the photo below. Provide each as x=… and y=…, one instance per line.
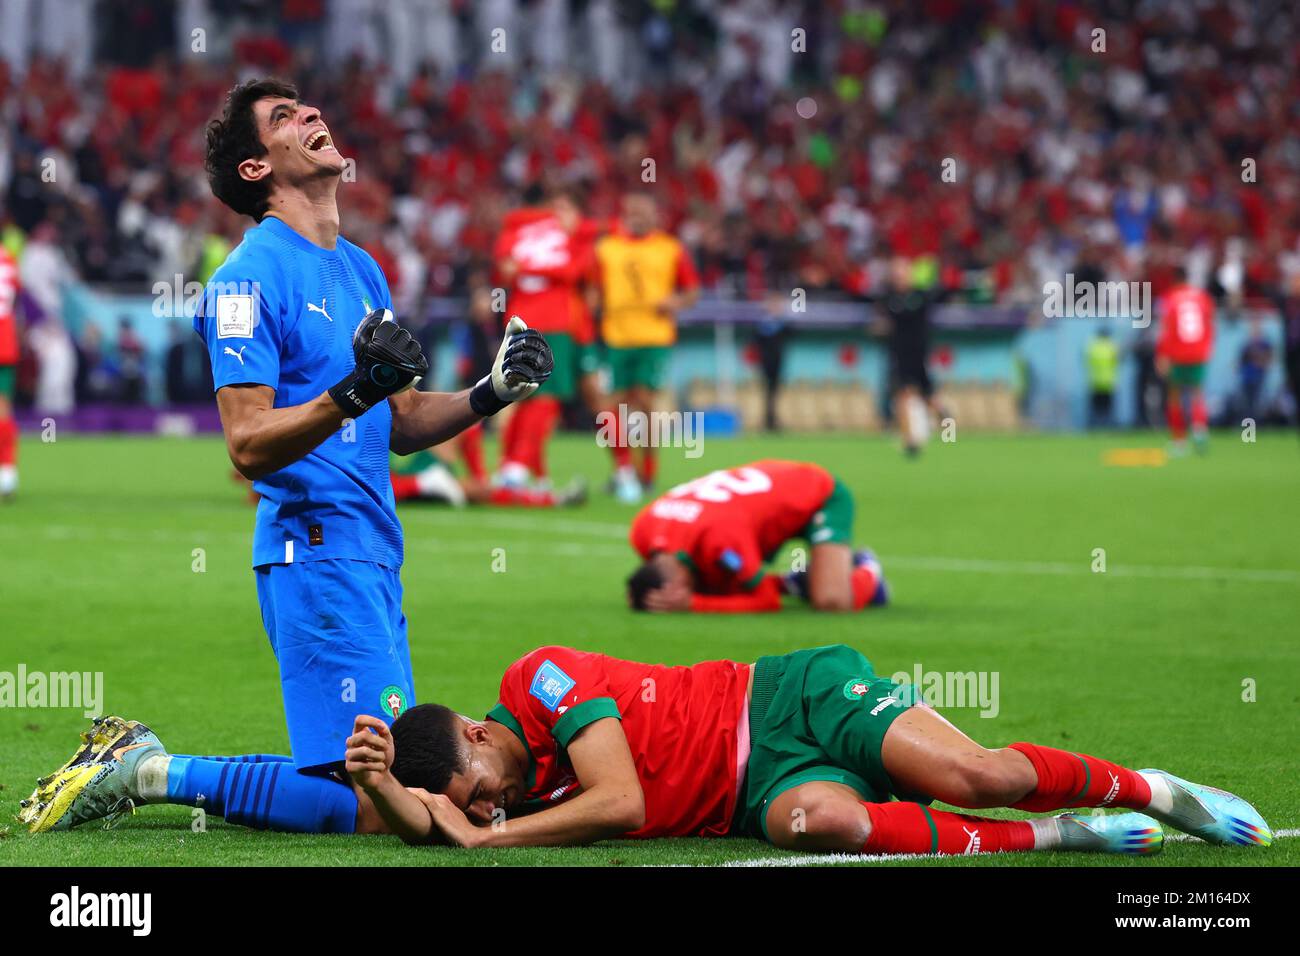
x=8, y=374
x=544, y=266
x=804, y=749
x=1186, y=340
x=705, y=543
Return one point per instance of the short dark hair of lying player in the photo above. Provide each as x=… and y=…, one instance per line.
x=807, y=750
x=706, y=543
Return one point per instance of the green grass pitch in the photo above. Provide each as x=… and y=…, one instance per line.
x=988, y=544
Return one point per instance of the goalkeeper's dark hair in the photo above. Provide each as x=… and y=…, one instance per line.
x=427, y=747
x=644, y=580
x=232, y=138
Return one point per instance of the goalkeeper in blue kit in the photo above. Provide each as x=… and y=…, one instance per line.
x=313, y=378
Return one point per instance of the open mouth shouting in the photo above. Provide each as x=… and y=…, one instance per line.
x=319, y=141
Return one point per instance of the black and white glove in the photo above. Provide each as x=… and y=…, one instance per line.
x=523, y=363
x=389, y=361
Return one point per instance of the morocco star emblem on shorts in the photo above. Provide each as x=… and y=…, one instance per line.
x=856, y=689
x=393, y=701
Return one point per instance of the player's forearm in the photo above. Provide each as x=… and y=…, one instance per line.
x=422, y=419
x=404, y=812
x=272, y=438
x=592, y=815
x=765, y=597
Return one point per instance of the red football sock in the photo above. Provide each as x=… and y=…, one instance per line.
x=1068, y=779
x=1177, y=420
x=404, y=486
x=1200, y=419
x=649, y=466
x=622, y=454
x=522, y=497
x=903, y=827
x=471, y=450
x=530, y=428
x=542, y=423
x=8, y=441
x=512, y=434
x=863, y=582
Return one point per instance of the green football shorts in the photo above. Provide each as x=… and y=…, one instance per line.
x=586, y=359
x=817, y=714
x=833, y=521
x=644, y=366
x=1189, y=375
x=8, y=381
x=564, y=377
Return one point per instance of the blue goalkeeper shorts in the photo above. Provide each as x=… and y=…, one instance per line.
x=339, y=635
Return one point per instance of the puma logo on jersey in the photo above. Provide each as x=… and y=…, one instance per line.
x=972, y=843
x=239, y=355
x=883, y=703
x=312, y=307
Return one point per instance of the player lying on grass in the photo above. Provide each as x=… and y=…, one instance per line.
x=805, y=750
x=427, y=476
x=705, y=543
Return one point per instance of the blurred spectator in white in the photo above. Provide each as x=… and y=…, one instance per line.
x=45, y=270
x=56, y=361
x=60, y=29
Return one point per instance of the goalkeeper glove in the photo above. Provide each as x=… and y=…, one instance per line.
x=523, y=363
x=388, y=361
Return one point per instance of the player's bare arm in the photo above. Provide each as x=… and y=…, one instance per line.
x=679, y=301
x=369, y=761
x=423, y=419
x=610, y=803
x=261, y=438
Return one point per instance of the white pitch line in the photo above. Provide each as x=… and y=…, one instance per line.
x=515, y=522
x=836, y=859
x=1180, y=572
x=610, y=532
x=931, y=563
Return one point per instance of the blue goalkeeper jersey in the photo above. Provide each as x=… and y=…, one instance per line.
x=281, y=312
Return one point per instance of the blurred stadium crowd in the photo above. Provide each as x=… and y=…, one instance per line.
x=794, y=143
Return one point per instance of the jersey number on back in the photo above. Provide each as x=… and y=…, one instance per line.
x=541, y=248
x=1191, y=324
x=718, y=487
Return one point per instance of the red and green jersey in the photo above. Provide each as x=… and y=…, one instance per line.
x=687, y=728
x=729, y=523
x=550, y=266
x=8, y=309
x=1186, y=325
